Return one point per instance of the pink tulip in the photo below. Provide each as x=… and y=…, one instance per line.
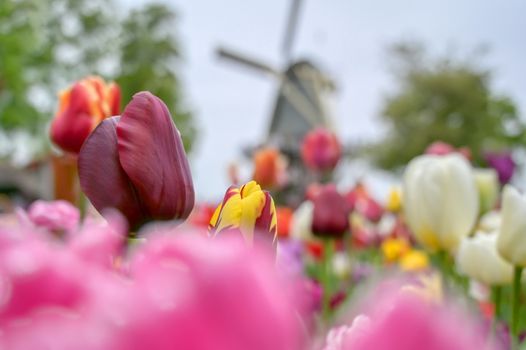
x=405, y=321
x=136, y=163
x=194, y=293
x=57, y=216
x=321, y=150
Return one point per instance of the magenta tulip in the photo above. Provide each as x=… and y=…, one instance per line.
x=136, y=163
x=321, y=150
x=331, y=213
x=503, y=164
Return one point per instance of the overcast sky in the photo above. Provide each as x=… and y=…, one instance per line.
x=347, y=38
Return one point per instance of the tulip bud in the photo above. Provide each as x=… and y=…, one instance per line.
x=321, y=150
x=478, y=258
x=331, y=213
x=488, y=187
x=82, y=108
x=440, y=200
x=439, y=148
x=511, y=243
x=247, y=209
x=136, y=163
x=301, y=223
x=269, y=168
x=394, y=200
x=503, y=164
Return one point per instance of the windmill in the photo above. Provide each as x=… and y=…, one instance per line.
x=301, y=104
x=302, y=98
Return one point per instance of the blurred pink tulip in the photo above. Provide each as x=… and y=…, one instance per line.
x=404, y=321
x=321, y=150
x=196, y=293
x=441, y=148
x=180, y=291
x=57, y=216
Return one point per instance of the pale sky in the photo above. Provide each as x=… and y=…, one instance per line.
x=347, y=38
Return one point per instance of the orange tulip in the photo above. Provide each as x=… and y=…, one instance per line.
x=82, y=107
x=269, y=168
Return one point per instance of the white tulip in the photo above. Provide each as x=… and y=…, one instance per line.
x=300, y=225
x=477, y=257
x=440, y=200
x=511, y=243
x=488, y=186
x=490, y=222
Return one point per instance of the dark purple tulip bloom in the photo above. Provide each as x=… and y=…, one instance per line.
x=330, y=218
x=137, y=164
x=503, y=164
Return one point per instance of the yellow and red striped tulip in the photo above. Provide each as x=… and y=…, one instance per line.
x=248, y=210
x=82, y=107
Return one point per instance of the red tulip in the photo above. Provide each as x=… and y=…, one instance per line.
x=82, y=108
x=331, y=213
x=136, y=163
x=284, y=217
x=321, y=150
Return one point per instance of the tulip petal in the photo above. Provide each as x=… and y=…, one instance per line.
x=152, y=155
x=102, y=178
x=73, y=125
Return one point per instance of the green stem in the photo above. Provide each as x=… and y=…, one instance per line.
x=515, y=306
x=497, y=297
x=444, y=266
x=496, y=294
x=328, y=250
x=82, y=203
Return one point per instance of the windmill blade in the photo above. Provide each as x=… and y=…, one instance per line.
x=291, y=28
x=246, y=61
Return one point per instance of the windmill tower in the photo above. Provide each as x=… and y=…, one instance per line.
x=301, y=100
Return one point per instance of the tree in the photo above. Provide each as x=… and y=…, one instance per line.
x=45, y=45
x=447, y=100
x=149, y=57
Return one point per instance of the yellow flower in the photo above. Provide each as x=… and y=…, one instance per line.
x=247, y=209
x=414, y=260
x=394, y=248
x=394, y=201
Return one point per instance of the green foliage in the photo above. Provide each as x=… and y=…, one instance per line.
x=45, y=45
x=446, y=100
x=148, y=59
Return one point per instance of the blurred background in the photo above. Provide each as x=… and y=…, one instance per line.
x=388, y=77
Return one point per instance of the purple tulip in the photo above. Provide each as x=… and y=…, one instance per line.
x=503, y=164
x=136, y=163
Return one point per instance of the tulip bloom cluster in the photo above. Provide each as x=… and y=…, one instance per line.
x=177, y=290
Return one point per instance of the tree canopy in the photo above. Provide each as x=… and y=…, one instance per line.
x=45, y=45
x=450, y=100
